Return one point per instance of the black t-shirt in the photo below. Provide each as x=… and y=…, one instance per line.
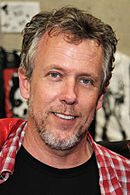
x=32, y=177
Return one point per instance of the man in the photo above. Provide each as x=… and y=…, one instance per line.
x=66, y=64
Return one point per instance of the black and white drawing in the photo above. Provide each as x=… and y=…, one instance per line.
x=113, y=120
x=17, y=102
x=14, y=15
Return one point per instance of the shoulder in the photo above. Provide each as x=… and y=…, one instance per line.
x=106, y=154
x=113, y=163
x=108, y=157
x=7, y=126
x=12, y=131
x=114, y=170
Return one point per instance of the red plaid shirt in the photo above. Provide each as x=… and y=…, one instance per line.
x=114, y=170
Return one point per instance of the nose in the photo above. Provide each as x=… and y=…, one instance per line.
x=68, y=92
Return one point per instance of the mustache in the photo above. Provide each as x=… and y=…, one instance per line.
x=65, y=109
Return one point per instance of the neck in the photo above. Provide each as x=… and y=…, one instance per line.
x=56, y=158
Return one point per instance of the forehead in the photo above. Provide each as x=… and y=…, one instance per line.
x=59, y=44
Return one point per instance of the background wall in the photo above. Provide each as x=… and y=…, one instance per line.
x=113, y=12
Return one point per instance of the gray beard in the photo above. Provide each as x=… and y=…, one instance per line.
x=58, y=144
x=50, y=139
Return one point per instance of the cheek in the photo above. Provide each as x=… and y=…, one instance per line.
x=88, y=101
x=44, y=94
x=87, y=106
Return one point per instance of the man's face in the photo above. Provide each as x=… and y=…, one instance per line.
x=64, y=90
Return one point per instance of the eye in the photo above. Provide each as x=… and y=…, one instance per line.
x=54, y=75
x=86, y=81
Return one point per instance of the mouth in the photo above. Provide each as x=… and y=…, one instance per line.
x=64, y=116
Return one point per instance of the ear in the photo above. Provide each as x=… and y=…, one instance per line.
x=99, y=103
x=24, y=84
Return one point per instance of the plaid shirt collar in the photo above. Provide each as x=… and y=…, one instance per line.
x=9, y=151
x=114, y=170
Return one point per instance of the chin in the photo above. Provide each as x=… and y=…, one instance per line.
x=61, y=144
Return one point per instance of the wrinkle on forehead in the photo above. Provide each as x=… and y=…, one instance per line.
x=48, y=41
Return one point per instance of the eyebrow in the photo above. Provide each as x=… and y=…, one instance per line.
x=55, y=66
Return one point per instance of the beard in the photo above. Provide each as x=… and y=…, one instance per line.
x=49, y=137
x=52, y=141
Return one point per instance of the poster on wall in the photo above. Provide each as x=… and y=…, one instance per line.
x=113, y=120
x=14, y=15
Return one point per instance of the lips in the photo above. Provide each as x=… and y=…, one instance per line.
x=64, y=116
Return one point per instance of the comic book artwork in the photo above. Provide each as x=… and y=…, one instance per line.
x=113, y=120
x=11, y=102
x=14, y=15
x=15, y=105
x=18, y=104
